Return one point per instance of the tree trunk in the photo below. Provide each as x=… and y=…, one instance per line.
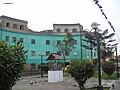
x=81, y=86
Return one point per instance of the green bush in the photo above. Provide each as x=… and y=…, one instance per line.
x=81, y=70
x=95, y=61
x=108, y=67
x=12, y=60
x=112, y=59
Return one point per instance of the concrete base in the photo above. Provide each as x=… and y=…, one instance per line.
x=100, y=87
x=55, y=76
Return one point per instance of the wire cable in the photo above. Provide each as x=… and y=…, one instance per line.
x=100, y=7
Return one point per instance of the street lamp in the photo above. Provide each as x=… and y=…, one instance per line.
x=94, y=26
x=41, y=58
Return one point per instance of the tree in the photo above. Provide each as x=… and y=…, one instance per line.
x=81, y=70
x=108, y=67
x=104, y=50
x=66, y=46
x=90, y=37
x=12, y=60
x=109, y=51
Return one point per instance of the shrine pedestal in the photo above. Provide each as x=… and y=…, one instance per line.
x=55, y=76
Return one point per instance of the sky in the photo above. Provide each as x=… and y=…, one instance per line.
x=42, y=14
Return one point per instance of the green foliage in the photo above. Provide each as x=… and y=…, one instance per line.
x=112, y=59
x=108, y=67
x=104, y=50
x=95, y=61
x=81, y=70
x=105, y=76
x=12, y=60
x=66, y=46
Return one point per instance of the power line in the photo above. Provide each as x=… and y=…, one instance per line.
x=118, y=37
x=100, y=7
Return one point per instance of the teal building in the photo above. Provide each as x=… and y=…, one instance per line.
x=42, y=43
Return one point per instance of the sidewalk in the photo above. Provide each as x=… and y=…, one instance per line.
x=116, y=85
x=68, y=84
x=93, y=82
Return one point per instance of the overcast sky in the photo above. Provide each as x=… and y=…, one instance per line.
x=42, y=14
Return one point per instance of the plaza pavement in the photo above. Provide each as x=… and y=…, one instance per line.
x=68, y=84
x=43, y=84
x=117, y=85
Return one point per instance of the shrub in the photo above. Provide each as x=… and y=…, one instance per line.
x=112, y=59
x=12, y=60
x=95, y=61
x=108, y=67
x=81, y=70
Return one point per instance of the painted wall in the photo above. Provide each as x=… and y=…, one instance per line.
x=40, y=45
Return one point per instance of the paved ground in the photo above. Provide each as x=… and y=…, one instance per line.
x=117, y=85
x=68, y=84
x=43, y=84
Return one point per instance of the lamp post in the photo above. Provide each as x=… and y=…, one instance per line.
x=31, y=70
x=94, y=26
x=81, y=44
x=117, y=62
x=41, y=58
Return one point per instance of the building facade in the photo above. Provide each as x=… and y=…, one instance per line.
x=37, y=43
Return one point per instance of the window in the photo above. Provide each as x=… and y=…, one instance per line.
x=21, y=39
x=32, y=53
x=21, y=27
x=47, y=53
x=7, y=38
x=58, y=52
x=66, y=53
x=15, y=26
x=88, y=53
x=7, y=24
x=58, y=41
x=74, y=30
x=58, y=30
x=33, y=41
x=47, y=42
x=87, y=43
x=14, y=39
x=94, y=54
x=75, y=53
x=75, y=41
x=66, y=30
